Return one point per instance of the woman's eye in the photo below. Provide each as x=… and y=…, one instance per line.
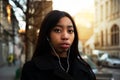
x=57, y=30
x=70, y=31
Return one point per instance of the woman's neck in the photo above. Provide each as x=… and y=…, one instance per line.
x=63, y=54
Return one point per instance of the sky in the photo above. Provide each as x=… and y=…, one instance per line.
x=73, y=6
x=19, y=13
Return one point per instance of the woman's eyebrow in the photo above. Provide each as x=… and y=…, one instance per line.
x=69, y=26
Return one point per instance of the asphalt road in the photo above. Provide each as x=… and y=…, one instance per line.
x=8, y=72
x=114, y=71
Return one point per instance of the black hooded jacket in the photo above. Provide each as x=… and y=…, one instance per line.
x=47, y=68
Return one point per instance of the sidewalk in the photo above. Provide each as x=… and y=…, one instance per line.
x=8, y=72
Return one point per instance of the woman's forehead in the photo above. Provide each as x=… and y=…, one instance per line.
x=65, y=21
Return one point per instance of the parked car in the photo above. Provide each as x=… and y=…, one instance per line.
x=98, y=73
x=110, y=61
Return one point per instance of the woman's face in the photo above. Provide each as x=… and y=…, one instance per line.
x=62, y=35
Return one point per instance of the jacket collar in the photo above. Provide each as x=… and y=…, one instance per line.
x=48, y=62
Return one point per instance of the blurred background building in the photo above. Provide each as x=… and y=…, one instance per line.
x=14, y=40
x=106, y=37
x=8, y=31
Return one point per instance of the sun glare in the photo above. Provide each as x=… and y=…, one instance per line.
x=73, y=6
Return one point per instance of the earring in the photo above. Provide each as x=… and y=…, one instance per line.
x=47, y=38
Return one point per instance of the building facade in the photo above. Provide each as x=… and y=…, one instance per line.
x=8, y=31
x=107, y=26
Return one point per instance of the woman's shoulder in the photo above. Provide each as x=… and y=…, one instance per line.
x=81, y=64
x=28, y=63
x=41, y=63
x=28, y=66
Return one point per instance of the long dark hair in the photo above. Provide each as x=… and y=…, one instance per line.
x=50, y=20
x=43, y=47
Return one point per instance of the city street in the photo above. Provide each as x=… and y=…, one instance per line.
x=95, y=26
x=114, y=71
x=7, y=72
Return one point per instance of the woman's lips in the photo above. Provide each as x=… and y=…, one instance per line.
x=64, y=45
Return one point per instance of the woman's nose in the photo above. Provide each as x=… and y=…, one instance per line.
x=65, y=35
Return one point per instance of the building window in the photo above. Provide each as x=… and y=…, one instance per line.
x=107, y=8
x=115, y=35
x=101, y=13
x=101, y=38
x=106, y=37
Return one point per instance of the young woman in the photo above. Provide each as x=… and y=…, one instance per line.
x=56, y=56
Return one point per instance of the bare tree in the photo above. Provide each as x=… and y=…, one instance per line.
x=33, y=15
